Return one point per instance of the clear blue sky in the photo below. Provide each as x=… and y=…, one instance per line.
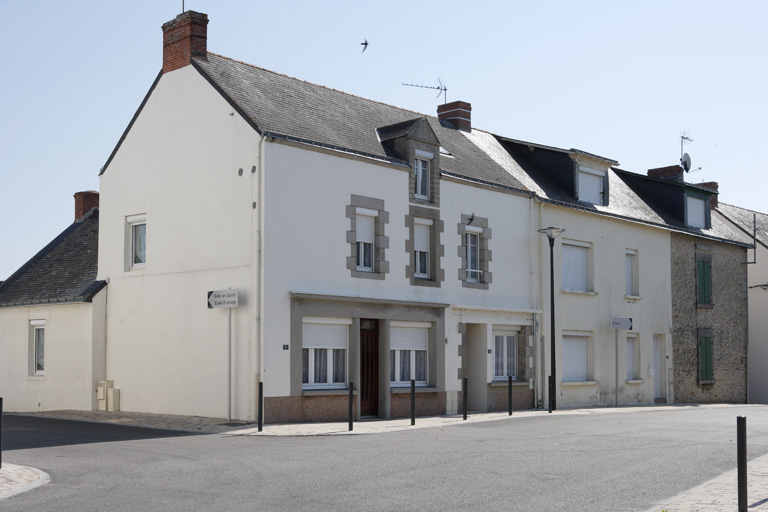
x=620, y=79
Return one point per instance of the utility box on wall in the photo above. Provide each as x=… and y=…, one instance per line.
x=107, y=397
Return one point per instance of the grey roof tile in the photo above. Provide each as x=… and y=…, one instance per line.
x=63, y=271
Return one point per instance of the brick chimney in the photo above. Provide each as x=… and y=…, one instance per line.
x=184, y=37
x=671, y=172
x=458, y=113
x=85, y=202
x=713, y=186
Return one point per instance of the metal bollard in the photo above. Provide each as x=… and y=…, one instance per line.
x=1, y=432
x=261, y=406
x=351, y=404
x=510, y=395
x=741, y=449
x=464, y=396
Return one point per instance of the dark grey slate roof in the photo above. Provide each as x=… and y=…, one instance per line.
x=64, y=271
x=288, y=107
x=743, y=220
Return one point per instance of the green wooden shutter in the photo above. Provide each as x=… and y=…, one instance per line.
x=704, y=275
x=706, y=357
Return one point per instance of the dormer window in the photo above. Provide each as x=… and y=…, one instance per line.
x=696, y=212
x=592, y=185
x=421, y=168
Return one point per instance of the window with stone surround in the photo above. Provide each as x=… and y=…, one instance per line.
x=473, y=251
x=366, y=238
x=423, y=247
x=425, y=178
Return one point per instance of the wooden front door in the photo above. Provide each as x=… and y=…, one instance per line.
x=369, y=367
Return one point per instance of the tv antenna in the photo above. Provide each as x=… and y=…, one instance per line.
x=685, y=160
x=440, y=87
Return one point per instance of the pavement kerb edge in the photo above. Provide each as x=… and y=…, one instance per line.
x=43, y=478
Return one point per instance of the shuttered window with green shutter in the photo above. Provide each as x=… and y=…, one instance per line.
x=706, y=356
x=704, y=281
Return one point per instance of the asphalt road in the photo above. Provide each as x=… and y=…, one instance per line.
x=622, y=461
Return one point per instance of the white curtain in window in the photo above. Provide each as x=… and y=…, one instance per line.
x=575, y=358
x=139, y=243
x=575, y=267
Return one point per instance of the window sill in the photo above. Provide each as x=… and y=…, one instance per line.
x=368, y=274
x=634, y=381
x=633, y=298
x=328, y=391
x=578, y=383
x=498, y=383
x=578, y=292
x=396, y=390
x=707, y=381
x=702, y=305
x=37, y=377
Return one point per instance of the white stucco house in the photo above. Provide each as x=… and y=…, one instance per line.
x=368, y=246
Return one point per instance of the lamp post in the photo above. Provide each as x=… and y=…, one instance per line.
x=552, y=233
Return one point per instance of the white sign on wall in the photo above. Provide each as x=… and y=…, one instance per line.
x=222, y=299
x=621, y=323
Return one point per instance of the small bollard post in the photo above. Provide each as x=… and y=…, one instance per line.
x=261, y=406
x=741, y=448
x=464, y=396
x=510, y=395
x=413, y=402
x=351, y=404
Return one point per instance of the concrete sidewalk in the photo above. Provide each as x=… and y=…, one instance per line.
x=717, y=495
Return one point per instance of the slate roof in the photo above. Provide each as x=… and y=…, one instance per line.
x=64, y=271
x=290, y=108
x=742, y=219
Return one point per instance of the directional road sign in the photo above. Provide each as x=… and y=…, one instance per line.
x=222, y=299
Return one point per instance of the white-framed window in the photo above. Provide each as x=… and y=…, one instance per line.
x=421, y=169
x=408, y=342
x=504, y=355
x=324, y=352
x=138, y=241
x=472, y=248
x=365, y=233
x=632, y=346
x=696, y=212
x=421, y=244
x=575, y=358
x=575, y=256
x=591, y=185
x=37, y=366
x=631, y=286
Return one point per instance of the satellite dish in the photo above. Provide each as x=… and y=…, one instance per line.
x=686, y=161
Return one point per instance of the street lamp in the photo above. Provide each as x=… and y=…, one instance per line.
x=552, y=233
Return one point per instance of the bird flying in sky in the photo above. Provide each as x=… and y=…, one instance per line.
x=365, y=45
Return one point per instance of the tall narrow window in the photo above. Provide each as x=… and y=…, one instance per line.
x=421, y=243
x=696, y=212
x=704, y=281
x=504, y=356
x=422, y=178
x=631, y=287
x=473, y=257
x=365, y=237
x=136, y=243
x=37, y=347
x=706, y=358
x=631, y=341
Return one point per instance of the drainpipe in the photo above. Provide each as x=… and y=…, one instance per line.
x=260, y=264
x=534, y=298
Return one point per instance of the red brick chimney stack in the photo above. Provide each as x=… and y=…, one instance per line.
x=85, y=202
x=672, y=172
x=458, y=113
x=711, y=185
x=184, y=37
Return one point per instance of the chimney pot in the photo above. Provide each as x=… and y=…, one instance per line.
x=184, y=37
x=458, y=113
x=85, y=202
x=713, y=186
